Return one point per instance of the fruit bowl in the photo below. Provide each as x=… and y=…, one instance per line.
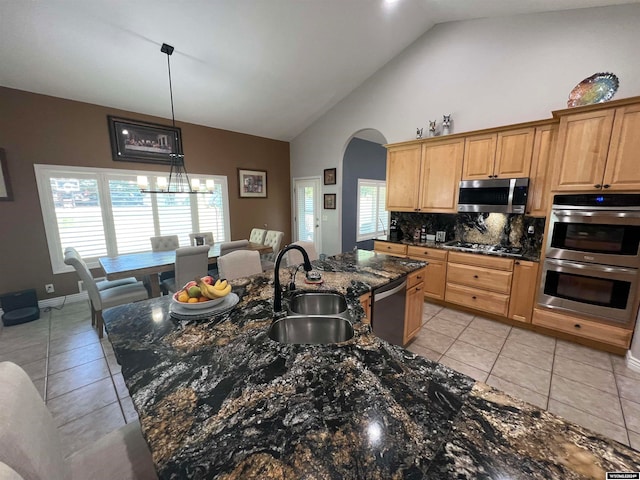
x=198, y=305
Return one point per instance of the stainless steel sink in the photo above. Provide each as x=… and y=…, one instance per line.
x=317, y=303
x=311, y=329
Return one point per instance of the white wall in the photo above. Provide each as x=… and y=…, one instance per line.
x=486, y=73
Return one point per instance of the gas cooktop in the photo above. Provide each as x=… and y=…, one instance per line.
x=480, y=247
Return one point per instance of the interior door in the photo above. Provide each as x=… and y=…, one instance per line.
x=306, y=194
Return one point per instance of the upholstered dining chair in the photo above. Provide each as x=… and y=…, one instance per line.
x=104, y=284
x=257, y=235
x=228, y=247
x=273, y=239
x=103, y=299
x=31, y=446
x=8, y=473
x=207, y=236
x=191, y=262
x=294, y=257
x=164, y=243
x=239, y=263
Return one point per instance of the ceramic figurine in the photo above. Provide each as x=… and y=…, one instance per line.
x=446, y=124
x=432, y=129
x=419, y=133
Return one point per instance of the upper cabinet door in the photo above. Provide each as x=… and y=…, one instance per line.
x=513, y=153
x=441, y=172
x=623, y=170
x=581, y=152
x=539, y=178
x=479, y=156
x=403, y=178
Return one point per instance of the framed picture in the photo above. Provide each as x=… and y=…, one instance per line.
x=330, y=201
x=252, y=183
x=134, y=141
x=5, y=184
x=330, y=176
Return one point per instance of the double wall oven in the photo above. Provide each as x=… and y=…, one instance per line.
x=592, y=256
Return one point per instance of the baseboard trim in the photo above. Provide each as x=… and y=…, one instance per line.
x=632, y=362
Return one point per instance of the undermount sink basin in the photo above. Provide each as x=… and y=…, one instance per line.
x=311, y=329
x=317, y=303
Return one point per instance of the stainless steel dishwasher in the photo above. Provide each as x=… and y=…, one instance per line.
x=387, y=311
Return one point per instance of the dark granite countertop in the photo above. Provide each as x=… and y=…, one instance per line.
x=531, y=255
x=218, y=399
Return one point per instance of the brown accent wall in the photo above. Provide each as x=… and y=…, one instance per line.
x=37, y=129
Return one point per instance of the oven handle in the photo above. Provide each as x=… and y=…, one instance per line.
x=609, y=215
x=593, y=267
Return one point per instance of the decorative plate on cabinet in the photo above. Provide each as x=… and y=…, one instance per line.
x=598, y=88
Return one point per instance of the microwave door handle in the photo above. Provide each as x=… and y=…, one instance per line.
x=512, y=187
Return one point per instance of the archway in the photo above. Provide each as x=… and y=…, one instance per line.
x=364, y=158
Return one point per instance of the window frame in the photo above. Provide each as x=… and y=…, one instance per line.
x=377, y=232
x=43, y=173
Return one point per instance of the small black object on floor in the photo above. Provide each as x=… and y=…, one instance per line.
x=19, y=307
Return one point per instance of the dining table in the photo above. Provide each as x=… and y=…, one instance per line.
x=152, y=264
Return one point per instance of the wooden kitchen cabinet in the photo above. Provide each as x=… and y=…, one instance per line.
x=435, y=278
x=424, y=177
x=414, y=305
x=505, y=154
x=403, y=177
x=523, y=290
x=390, y=248
x=365, y=302
x=598, y=150
x=540, y=176
x=480, y=282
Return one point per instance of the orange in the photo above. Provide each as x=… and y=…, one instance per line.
x=203, y=299
x=183, y=296
x=192, y=300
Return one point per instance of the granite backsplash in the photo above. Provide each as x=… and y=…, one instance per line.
x=485, y=228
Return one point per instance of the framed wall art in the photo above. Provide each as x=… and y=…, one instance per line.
x=252, y=183
x=5, y=183
x=134, y=141
x=330, y=201
x=330, y=176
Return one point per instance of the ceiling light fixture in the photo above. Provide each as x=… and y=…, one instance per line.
x=178, y=177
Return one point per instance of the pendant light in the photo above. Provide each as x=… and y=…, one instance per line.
x=178, y=177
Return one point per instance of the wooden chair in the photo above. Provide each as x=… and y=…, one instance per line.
x=191, y=262
x=31, y=446
x=257, y=235
x=294, y=257
x=103, y=299
x=207, y=236
x=240, y=263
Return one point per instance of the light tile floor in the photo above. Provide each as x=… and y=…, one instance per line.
x=586, y=386
x=79, y=378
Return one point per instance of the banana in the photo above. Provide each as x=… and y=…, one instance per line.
x=212, y=292
x=221, y=293
x=221, y=285
x=218, y=282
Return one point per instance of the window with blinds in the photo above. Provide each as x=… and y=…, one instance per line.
x=372, y=218
x=101, y=212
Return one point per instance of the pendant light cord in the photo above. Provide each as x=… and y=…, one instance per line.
x=173, y=117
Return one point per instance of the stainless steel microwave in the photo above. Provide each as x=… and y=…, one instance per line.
x=500, y=195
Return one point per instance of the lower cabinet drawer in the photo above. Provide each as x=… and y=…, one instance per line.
x=491, y=302
x=601, y=332
x=479, y=277
x=390, y=248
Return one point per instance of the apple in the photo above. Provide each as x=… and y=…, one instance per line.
x=189, y=285
x=208, y=280
x=194, y=292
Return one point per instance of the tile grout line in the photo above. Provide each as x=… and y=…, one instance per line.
x=624, y=419
x=113, y=383
x=553, y=364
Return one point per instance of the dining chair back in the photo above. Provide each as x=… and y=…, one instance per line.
x=257, y=235
x=228, y=247
x=191, y=262
x=239, y=263
x=104, y=284
x=103, y=299
x=273, y=239
x=164, y=243
x=206, y=236
x=30, y=443
x=294, y=257
x=8, y=473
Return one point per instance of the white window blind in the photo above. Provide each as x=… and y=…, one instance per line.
x=372, y=218
x=101, y=212
x=306, y=212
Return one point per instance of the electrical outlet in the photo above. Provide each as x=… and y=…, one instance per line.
x=49, y=288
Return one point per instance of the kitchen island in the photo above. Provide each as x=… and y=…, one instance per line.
x=218, y=399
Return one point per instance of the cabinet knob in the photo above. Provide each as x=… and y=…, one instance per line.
x=597, y=185
x=418, y=289
x=419, y=277
x=475, y=276
x=606, y=186
x=577, y=325
x=474, y=297
x=517, y=263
